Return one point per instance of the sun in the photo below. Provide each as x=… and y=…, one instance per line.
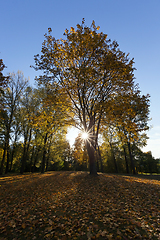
x=85, y=136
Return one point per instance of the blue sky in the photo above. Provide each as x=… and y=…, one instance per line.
x=135, y=25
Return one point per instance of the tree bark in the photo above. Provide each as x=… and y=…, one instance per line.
x=97, y=159
x=8, y=160
x=23, y=159
x=44, y=154
x=131, y=158
x=28, y=144
x=3, y=159
x=126, y=160
x=24, y=154
x=31, y=161
x=100, y=158
x=47, y=161
x=36, y=158
x=114, y=159
x=12, y=155
x=92, y=162
x=26, y=150
x=8, y=155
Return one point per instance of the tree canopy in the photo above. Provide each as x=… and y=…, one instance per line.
x=97, y=78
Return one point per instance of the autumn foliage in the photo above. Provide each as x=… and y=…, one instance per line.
x=76, y=205
x=98, y=79
x=86, y=82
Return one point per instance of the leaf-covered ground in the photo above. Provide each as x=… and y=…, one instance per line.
x=75, y=205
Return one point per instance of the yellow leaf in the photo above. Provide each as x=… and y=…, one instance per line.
x=23, y=225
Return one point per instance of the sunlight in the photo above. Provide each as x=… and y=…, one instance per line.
x=72, y=135
x=84, y=135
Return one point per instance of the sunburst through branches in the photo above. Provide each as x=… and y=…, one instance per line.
x=87, y=136
x=84, y=135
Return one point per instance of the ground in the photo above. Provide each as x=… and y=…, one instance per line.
x=76, y=205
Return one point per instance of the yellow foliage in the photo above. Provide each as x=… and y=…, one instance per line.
x=96, y=82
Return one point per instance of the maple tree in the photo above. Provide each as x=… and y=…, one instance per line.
x=92, y=71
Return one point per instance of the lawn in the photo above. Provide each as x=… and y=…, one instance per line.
x=75, y=205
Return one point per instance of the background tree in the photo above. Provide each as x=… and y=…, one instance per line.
x=132, y=122
x=61, y=155
x=15, y=135
x=49, y=119
x=11, y=101
x=29, y=107
x=3, y=84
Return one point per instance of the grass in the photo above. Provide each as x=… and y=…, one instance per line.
x=75, y=205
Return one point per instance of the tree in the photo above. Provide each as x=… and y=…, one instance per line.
x=11, y=100
x=3, y=83
x=130, y=115
x=48, y=119
x=15, y=135
x=80, y=154
x=29, y=105
x=92, y=71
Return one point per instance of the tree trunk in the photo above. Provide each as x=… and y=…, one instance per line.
x=47, y=161
x=3, y=159
x=23, y=163
x=44, y=155
x=115, y=162
x=8, y=160
x=126, y=160
x=32, y=158
x=92, y=162
x=97, y=159
x=8, y=155
x=12, y=155
x=131, y=158
x=35, y=160
x=14, y=148
x=26, y=149
x=28, y=144
x=114, y=159
x=100, y=158
x=90, y=145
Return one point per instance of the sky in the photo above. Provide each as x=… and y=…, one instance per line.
x=135, y=25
